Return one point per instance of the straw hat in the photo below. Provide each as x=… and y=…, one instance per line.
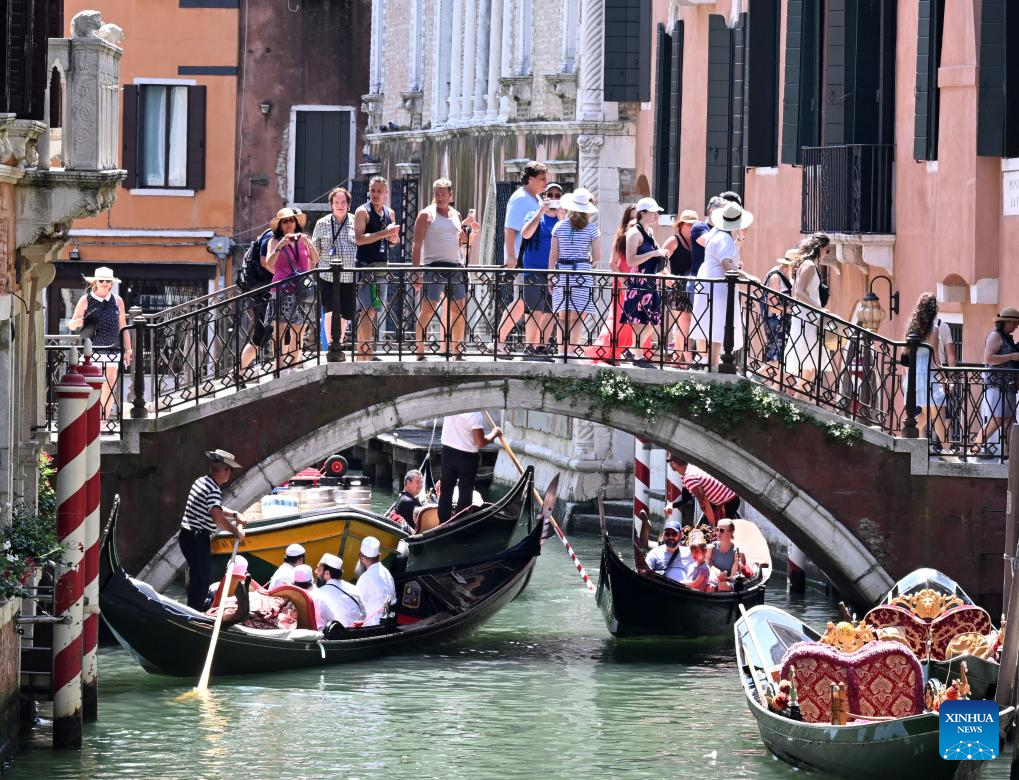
x=688, y=215
x=790, y=257
x=579, y=200
x=731, y=217
x=222, y=456
x=282, y=214
x=102, y=274
x=1007, y=315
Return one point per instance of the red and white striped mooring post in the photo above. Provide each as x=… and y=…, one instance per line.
x=673, y=486
x=90, y=566
x=72, y=437
x=797, y=568
x=641, y=480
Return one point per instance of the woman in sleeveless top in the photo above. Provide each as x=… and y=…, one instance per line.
x=930, y=396
x=998, y=405
x=104, y=313
x=615, y=337
x=575, y=247
x=290, y=253
x=801, y=350
x=677, y=298
x=642, y=304
x=439, y=233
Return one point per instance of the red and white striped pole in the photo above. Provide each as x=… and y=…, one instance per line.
x=641, y=480
x=673, y=485
x=72, y=436
x=90, y=567
x=797, y=568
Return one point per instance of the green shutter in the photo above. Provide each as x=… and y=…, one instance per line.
x=991, y=95
x=928, y=60
x=675, y=118
x=801, y=97
x=716, y=175
x=763, y=38
x=663, y=113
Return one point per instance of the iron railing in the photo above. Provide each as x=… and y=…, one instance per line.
x=448, y=314
x=847, y=189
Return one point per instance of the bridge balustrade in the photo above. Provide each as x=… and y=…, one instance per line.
x=207, y=347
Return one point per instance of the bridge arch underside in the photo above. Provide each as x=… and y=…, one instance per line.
x=845, y=559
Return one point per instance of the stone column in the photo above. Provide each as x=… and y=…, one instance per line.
x=482, y=61
x=377, y=44
x=568, y=49
x=494, y=58
x=416, y=44
x=590, y=162
x=440, y=60
x=592, y=61
x=506, y=52
x=470, y=30
x=456, y=62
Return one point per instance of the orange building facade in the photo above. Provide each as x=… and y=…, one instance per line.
x=885, y=124
x=178, y=138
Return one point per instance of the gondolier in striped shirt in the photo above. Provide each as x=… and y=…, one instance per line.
x=204, y=515
x=716, y=500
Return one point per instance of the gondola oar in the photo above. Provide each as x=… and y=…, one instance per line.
x=551, y=519
x=203, y=681
x=762, y=693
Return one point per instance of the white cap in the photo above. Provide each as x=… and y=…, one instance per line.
x=649, y=204
x=293, y=550
x=332, y=561
x=240, y=566
x=302, y=573
x=370, y=547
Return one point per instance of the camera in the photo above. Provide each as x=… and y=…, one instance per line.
x=553, y=204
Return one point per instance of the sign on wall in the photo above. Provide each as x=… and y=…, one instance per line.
x=1010, y=199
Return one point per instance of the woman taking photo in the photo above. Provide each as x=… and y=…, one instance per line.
x=290, y=253
x=642, y=303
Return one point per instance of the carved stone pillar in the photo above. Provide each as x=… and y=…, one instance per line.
x=377, y=45
x=592, y=60
x=441, y=53
x=481, y=59
x=590, y=162
x=470, y=29
x=494, y=60
x=456, y=63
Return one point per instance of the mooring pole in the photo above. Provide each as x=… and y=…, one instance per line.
x=72, y=431
x=641, y=480
x=1005, y=694
x=95, y=377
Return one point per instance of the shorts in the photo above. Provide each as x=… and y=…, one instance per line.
x=997, y=402
x=348, y=297
x=677, y=298
x=106, y=356
x=445, y=282
x=536, y=295
x=287, y=309
x=369, y=293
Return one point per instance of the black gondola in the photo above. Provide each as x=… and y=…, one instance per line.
x=635, y=604
x=436, y=606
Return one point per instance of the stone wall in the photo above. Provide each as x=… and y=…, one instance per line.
x=10, y=681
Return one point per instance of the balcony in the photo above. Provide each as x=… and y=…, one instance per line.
x=847, y=189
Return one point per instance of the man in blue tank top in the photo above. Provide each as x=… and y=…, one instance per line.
x=374, y=231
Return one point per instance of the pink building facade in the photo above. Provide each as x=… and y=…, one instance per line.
x=884, y=124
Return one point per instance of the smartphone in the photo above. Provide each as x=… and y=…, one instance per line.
x=553, y=204
x=470, y=214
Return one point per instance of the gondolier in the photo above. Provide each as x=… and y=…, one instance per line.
x=204, y=515
x=715, y=499
x=463, y=437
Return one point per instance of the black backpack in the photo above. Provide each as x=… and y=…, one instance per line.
x=250, y=273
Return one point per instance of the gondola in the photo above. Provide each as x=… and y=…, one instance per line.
x=636, y=604
x=927, y=610
x=436, y=606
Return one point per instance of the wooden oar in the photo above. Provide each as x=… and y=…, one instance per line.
x=559, y=531
x=760, y=655
x=203, y=681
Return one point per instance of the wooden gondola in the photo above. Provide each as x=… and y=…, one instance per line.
x=649, y=604
x=926, y=610
x=436, y=606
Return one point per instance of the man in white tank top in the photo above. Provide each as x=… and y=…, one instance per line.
x=438, y=235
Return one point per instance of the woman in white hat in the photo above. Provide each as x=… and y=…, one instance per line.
x=101, y=313
x=642, y=302
x=574, y=248
x=290, y=252
x=721, y=255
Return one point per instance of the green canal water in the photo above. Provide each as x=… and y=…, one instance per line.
x=541, y=691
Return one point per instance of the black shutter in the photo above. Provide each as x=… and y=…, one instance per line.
x=801, y=98
x=503, y=191
x=726, y=74
x=762, y=83
x=18, y=39
x=627, y=74
x=321, y=153
x=998, y=109
x=663, y=115
x=675, y=119
x=39, y=56
x=129, y=154
x=928, y=60
x=196, y=138
x=644, y=47
x=738, y=112
x=836, y=90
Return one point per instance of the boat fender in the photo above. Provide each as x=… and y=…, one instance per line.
x=321, y=649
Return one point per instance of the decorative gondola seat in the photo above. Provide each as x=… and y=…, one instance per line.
x=895, y=616
x=303, y=603
x=884, y=679
x=943, y=627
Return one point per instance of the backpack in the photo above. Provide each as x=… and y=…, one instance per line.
x=250, y=273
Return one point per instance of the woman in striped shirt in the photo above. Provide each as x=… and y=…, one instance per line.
x=574, y=248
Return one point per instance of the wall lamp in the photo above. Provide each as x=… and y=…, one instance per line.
x=870, y=314
x=75, y=253
x=265, y=108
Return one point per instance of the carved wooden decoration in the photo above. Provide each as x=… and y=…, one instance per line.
x=847, y=637
x=927, y=604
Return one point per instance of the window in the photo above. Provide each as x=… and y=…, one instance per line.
x=928, y=60
x=801, y=100
x=668, y=109
x=321, y=154
x=726, y=106
x=164, y=136
x=627, y=50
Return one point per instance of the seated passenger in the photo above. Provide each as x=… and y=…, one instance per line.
x=289, y=617
x=284, y=575
x=410, y=497
x=722, y=556
x=670, y=558
x=698, y=573
x=376, y=584
x=240, y=571
x=303, y=577
x=335, y=599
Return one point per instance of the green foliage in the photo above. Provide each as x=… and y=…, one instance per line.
x=720, y=406
x=31, y=538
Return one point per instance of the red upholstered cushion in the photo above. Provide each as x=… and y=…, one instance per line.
x=894, y=616
x=307, y=616
x=886, y=681
x=818, y=667
x=958, y=620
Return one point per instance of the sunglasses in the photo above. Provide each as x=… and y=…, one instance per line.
x=672, y=533
x=104, y=281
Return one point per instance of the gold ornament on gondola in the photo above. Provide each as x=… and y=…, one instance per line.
x=928, y=603
x=969, y=643
x=847, y=637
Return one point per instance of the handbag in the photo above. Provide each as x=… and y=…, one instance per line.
x=303, y=288
x=823, y=294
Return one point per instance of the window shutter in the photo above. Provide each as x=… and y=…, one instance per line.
x=836, y=89
x=998, y=110
x=738, y=112
x=763, y=38
x=663, y=114
x=627, y=74
x=644, y=47
x=726, y=108
x=196, y=138
x=928, y=60
x=675, y=118
x=801, y=98
x=129, y=153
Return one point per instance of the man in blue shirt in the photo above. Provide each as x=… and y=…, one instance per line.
x=671, y=559
x=522, y=202
x=537, y=246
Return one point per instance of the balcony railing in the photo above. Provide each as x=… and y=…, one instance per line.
x=847, y=189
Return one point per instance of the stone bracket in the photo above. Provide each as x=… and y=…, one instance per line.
x=564, y=85
x=518, y=90
x=413, y=102
x=371, y=105
x=874, y=250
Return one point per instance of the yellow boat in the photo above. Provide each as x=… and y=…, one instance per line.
x=337, y=530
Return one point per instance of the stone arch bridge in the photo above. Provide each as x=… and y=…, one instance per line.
x=865, y=513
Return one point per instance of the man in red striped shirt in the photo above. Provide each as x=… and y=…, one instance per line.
x=716, y=500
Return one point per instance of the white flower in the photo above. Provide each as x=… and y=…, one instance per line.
x=7, y=544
